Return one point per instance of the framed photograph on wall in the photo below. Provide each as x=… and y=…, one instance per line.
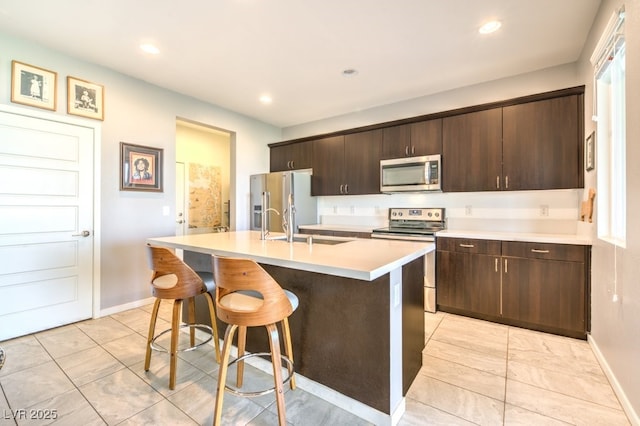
x=140, y=168
x=590, y=152
x=85, y=99
x=34, y=86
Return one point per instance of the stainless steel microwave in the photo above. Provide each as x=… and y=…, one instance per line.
x=412, y=174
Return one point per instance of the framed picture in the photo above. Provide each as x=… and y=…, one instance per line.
x=590, y=152
x=140, y=168
x=85, y=99
x=33, y=86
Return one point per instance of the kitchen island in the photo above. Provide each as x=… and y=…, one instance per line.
x=359, y=328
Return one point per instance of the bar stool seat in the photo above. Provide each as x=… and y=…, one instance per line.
x=174, y=280
x=247, y=296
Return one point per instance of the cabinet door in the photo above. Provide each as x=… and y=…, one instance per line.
x=328, y=166
x=542, y=144
x=544, y=294
x=472, y=151
x=396, y=141
x=362, y=162
x=449, y=281
x=426, y=137
x=482, y=284
x=294, y=156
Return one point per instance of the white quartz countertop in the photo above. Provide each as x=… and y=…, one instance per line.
x=364, y=259
x=518, y=236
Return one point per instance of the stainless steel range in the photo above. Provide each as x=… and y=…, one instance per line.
x=412, y=224
x=417, y=225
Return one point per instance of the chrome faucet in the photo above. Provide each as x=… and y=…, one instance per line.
x=264, y=231
x=288, y=216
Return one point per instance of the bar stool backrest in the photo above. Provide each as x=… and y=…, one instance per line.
x=171, y=277
x=239, y=278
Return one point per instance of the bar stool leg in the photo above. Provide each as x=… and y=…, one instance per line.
x=276, y=361
x=222, y=373
x=242, y=343
x=191, y=315
x=152, y=330
x=286, y=331
x=175, y=334
x=214, y=326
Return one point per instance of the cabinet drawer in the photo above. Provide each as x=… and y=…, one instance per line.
x=466, y=245
x=566, y=252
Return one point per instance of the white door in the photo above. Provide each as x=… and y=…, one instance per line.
x=46, y=224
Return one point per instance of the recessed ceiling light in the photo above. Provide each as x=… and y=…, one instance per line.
x=266, y=99
x=150, y=48
x=490, y=27
x=349, y=72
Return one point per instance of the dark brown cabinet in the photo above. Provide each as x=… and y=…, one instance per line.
x=542, y=144
x=527, y=146
x=412, y=140
x=472, y=151
x=468, y=276
x=292, y=156
x=543, y=286
x=540, y=286
x=347, y=165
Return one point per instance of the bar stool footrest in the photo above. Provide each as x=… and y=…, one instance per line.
x=201, y=327
x=261, y=392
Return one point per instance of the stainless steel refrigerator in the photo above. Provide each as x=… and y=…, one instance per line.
x=279, y=185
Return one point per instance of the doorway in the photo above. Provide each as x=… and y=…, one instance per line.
x=203, y=178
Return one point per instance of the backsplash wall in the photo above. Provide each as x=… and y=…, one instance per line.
x=553, y=211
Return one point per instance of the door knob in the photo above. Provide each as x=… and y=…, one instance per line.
x=82, y=234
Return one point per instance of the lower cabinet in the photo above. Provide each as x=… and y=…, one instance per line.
x=538, y=286
x=348, y=234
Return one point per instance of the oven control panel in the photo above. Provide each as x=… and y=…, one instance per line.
x=420, y=214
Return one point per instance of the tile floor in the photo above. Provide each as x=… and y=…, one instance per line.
x=474, y=372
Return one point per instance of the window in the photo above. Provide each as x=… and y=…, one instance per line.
x=609, y=76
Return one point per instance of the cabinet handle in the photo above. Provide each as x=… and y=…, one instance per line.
x=497, y=182
x=406, y=151
x=292, y=164
x=467, y=245
x=346, y=188
x=506, y=182
x=506, y=266
x=539, y=251
x=413, y=150
x=496, y=265
x=342, y=189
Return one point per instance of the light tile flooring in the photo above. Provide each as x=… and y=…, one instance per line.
x=474, y=372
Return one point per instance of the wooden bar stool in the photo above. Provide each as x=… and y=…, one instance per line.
x=172, y=279
x=247, y=296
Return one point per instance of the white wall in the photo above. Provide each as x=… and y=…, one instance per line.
x=615, y=330
x=140, y=113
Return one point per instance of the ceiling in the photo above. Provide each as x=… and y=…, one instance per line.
x=230, y=52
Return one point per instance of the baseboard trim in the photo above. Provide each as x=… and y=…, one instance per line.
x=617, y=388
x=121, y=308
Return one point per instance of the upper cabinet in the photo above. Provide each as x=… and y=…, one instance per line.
x=472, y=151
x=528, y=143
x=347, y=165
x=292, y=156
x=542, y=144
x=525, y=146
x=413, y=139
